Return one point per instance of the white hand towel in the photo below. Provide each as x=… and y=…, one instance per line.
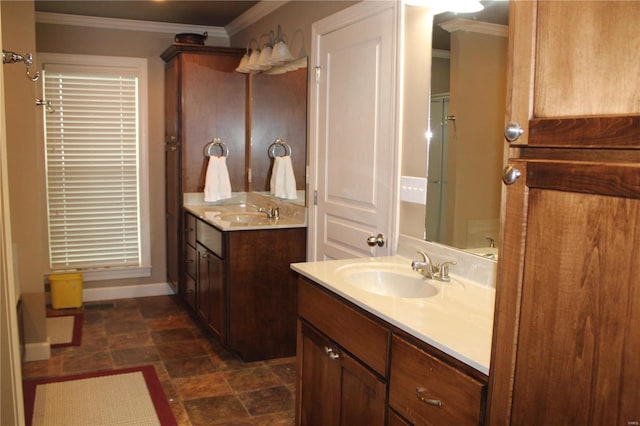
x=217, y=185
x=283, y=181
x=274, y=174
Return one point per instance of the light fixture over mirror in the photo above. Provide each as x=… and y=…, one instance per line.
x=273, y=58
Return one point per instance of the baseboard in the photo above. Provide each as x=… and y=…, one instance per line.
x=126, y=292
x=37, y=351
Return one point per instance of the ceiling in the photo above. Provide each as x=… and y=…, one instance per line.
x=219, y=13
x=199, y=12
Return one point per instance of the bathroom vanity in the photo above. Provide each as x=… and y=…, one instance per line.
x=238, y=279
x=390, y=355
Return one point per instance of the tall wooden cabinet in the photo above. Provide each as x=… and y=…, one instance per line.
x=566, y=339
x=204, y=98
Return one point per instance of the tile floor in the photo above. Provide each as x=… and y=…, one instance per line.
x=205, y=384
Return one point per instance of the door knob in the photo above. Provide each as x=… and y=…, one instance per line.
x=513, y=131
x=510, y=174
x=378, y=240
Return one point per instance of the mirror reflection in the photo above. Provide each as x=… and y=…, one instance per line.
x=466, y=118
x=278, y=111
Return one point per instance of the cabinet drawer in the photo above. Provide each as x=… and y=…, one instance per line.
x=210, y=237
x=190, y=261
x=190, y=229
x=448, y=395
x=350, y=329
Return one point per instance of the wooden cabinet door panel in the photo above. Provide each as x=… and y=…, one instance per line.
x=211, y=301
x=335, y=388
x=577, y=307
x=559, y=67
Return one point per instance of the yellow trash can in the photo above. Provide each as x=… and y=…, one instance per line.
x=66, y=290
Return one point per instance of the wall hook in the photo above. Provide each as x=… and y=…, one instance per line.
x=27, y=58
x=47, y=104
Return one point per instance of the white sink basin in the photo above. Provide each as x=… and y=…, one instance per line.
x=388, y=279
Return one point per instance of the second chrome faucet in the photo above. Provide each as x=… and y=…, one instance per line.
x=434, y=271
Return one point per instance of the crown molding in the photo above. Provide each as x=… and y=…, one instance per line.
x=127, y=24
x=253, y=15
x=470, y=25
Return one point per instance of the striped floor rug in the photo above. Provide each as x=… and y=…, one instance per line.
x=125, y=397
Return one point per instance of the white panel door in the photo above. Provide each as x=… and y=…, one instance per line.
x=353, y=132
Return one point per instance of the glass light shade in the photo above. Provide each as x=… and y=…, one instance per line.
x=242, y=66
x=281, y=53
x=264, y=62
x=253, y=60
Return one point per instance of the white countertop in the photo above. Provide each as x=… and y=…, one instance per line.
x=291, y=215
x=458, y=320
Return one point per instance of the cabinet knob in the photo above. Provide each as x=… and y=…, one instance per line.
x=513, y=131
x=421, y=394
x=510, y=175
x=205, y=255
x=378, y=240
x=331, y=353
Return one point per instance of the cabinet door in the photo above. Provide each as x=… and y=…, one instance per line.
x=211, y=291
x=560, y=67
x=566, y=338
x=335, y=388
x=173, y=197
x=352, y=127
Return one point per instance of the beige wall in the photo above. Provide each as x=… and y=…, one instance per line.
x=295, y=18
x=26, y=168
x=478, y=91
x=415, y=122
x=98, y=41
x=11, y=403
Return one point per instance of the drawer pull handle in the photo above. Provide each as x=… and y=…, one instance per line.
x=331, y=353
x=420, y=394
x=189, y=261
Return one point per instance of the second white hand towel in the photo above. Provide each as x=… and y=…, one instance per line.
x=283, y=181
x=217, y=185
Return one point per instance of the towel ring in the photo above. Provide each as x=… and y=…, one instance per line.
x=216, y=142
x=279, y=143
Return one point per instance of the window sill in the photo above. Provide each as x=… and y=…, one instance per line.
x=112, y=274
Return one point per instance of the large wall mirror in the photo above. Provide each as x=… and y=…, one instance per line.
x=466, y=121
x=278, y=110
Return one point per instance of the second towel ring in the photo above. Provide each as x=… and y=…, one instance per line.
x=216, y=142
x=279, y=143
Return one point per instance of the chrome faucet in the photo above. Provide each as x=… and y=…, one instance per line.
x=432, y=270
x=272, y=213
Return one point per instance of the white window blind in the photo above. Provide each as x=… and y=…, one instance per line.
x=92, y=142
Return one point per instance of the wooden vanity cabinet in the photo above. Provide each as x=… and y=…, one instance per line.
x=565, y=335
x=350, y=363
x=204, y=98
x=243, y=289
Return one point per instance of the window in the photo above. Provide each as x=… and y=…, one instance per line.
x=95, y=143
